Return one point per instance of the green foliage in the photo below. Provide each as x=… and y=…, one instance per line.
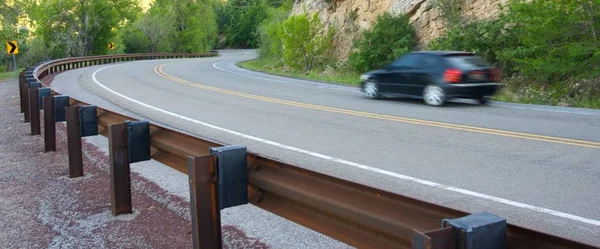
x=272, y=66
x=558, y=38
x=8, y=75
x=303, y=42
x=390, y=37
x=11, y=29
x=486, y=38
x=270, y=45
x=134, y=39
x=173, y=26
x=545, y=41
x=190, y=25
x=239, y=21
x=79, y=27
x=548, y=50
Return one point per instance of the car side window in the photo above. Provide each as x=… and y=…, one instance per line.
x=407, y=61
x=429, y=62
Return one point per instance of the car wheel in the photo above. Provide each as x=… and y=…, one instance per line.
x=483, y=100
x=434, y=95
x=371, y=90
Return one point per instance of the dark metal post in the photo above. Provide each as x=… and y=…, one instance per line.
x=74, y=142
x=120, y=180
x=49, y=125
x=34, y=111
x=22, y=91
x=26, y=102
x=206, y=214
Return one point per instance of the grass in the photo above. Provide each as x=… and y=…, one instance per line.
x=504, y=95
x=316, y=75
x=9, y=75
x=580, y=102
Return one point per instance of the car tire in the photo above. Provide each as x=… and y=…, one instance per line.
x=371, y=90
x=483, y=100
x=434, y=95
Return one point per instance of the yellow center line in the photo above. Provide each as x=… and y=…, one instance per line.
x=581, y=143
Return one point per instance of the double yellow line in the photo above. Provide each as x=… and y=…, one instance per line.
x=557, y=140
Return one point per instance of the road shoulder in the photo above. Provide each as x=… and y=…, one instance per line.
x=41, y=207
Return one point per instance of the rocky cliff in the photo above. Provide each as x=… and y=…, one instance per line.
x=351, y=16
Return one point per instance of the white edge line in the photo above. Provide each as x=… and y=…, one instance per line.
x=318, y=84
x=356, y=165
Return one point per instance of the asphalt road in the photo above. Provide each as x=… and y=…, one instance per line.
x=536, y=166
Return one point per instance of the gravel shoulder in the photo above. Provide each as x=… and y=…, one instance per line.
x=41, y=207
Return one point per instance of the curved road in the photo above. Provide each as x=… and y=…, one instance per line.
x=537, y=166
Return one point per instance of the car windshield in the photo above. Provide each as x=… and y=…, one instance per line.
x=468, y=61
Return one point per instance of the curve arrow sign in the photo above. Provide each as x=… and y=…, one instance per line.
x=12, y=47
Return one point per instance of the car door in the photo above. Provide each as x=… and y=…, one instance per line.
x=389, y=76
x=404, y=77
x=395, y=76
x=422, y=73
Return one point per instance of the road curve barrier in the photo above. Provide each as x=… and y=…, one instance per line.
x=223, y=176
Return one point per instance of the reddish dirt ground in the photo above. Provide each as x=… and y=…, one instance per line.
x=41, y=207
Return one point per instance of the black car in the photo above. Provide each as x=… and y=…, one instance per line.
x=434, y=76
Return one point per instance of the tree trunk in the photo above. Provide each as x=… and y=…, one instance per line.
x=592, y=22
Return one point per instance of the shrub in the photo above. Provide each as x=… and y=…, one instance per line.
x=271, y=46
x=303, y=42
x=390, y=37
x=487, y=38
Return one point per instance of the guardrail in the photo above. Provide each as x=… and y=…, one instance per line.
x=225, y=176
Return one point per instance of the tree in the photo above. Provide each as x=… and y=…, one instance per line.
x=12, y=28
x=191, y=23
x=270, y=44
x=302, y=40
x=558, y=39
x=240, y=21
x=156, y=26
x=80, y=27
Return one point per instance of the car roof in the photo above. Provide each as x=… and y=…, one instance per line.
x=442, y=52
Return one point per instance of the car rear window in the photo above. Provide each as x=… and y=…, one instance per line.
x=468, y=61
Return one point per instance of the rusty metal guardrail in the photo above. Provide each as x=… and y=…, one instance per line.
x=358, y=215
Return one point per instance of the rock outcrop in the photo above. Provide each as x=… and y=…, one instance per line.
x=351, y=16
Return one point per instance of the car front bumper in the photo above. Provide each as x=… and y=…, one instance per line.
x=471, y=90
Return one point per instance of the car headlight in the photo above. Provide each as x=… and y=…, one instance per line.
x=364, y=77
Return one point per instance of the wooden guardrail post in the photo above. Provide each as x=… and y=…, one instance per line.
x=41, y=93
x=21, y=90
x=217, y=181
x=204, y=200
x=82, y=121
x=129, y=142
x=49, y=125
x=74, y=142
x=27, y=85
x=34, y=108
x=54, y=111
x=120, y=186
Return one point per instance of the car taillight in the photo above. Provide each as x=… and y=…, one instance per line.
x=452, y=75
